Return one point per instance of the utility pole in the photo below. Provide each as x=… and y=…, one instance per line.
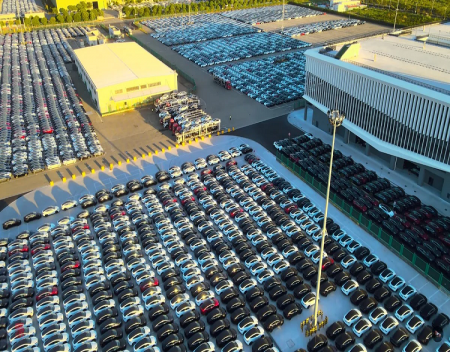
x=396, y=13
x=189, y=12
x=432, y=7
x=282, y=18
x=416, y=6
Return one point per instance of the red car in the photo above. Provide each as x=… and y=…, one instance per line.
x=359, y=206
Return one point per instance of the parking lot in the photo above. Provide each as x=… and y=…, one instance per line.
x=43, y=124
x=334, y=306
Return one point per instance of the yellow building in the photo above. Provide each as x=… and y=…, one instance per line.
x=123, y=75
x=98, y=4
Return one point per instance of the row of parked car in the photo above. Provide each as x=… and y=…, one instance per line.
x=418, y=226
x=160, y=25
x=270, y=14
x=42, y=120
x=320, y=27
x=223, y=50
x=19, y=8
x=270, y=81
x=221, y=28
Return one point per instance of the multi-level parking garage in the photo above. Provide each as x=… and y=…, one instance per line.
x=207, y=251
x=270, y=81
x=418, y=226
x=42, y=123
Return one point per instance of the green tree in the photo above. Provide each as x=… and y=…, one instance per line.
x=140, y=12
x=72, y=8
x=63, y=11
x=77, y=17
x=17, y=22
x=101, y=13
x=2, y=24
x=52, y=20
x=54, y=10
x=146, y=12
x=27, y=21
x=89, y=5
x=44, y=21
x=60, y=18
x=69, y=19
x=35, y=21
x=127, y=11
x=85, y=16
x=92, y=16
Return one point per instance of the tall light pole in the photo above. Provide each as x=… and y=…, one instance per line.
x=335, y=118
x=282, y=18
x=396, y=13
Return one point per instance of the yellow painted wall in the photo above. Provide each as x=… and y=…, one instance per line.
x=102, y=4
x=106, y=104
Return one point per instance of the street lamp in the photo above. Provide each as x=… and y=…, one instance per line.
x=335, y=118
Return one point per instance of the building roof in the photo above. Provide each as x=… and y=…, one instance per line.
x=111, y=64
x=407, y=57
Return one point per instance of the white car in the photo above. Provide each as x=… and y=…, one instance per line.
x=235, y=152
x=224, y=155
x=388, y=324
x=200, y=163
x=175, y=171
x=348, y=260
x=309, y=300
x=352, y=316
x=154, y=301
x=253, y=334
x=404, y=312
x=396, y=283
x=131, y=301
x=385, y=209
x=184, y=308
x=407, y=292
x=349, y=287
x=69, y=205
x=247, y=323
x=50, y=211
x=387, y=275
x=378, y=314
x=138, y=334
x=370, y=260
x=362, y=326
x=133, y=311
x=316, y=256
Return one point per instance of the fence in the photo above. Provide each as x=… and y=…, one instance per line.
x=159, y=57
x=436, y=277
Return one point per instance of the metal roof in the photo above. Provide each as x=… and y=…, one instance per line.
x=111, y=64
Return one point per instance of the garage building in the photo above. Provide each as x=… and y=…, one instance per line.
x=123, y=76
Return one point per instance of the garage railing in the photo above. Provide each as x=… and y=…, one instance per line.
x=433, y=275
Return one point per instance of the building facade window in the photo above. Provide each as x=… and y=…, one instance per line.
x=132, y=89
x=119, y=91
x=143, y=86
x=154, y=84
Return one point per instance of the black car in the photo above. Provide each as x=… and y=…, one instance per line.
x=341, y=278
x=273, y=321
x=262, y=344
x=428, y=310
x=358, y=295
x=441, y=321
x=363, y=277
x=11, y=223
x=197, y=339
x=218, y=326
x=32, y=216
x=425, y=335
x=381, y=294
x=373, y=284
x=171, y=341
x=317, y=343
x=291, y=310
x=226, y=336
x=418, y=301
x=392, y=303
x=372, y=338
x=335, y=329
x=367, y=305
x=344, y=340
x=326, y=288
x=385, y=346
x=399, y=337
x=377, y=268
